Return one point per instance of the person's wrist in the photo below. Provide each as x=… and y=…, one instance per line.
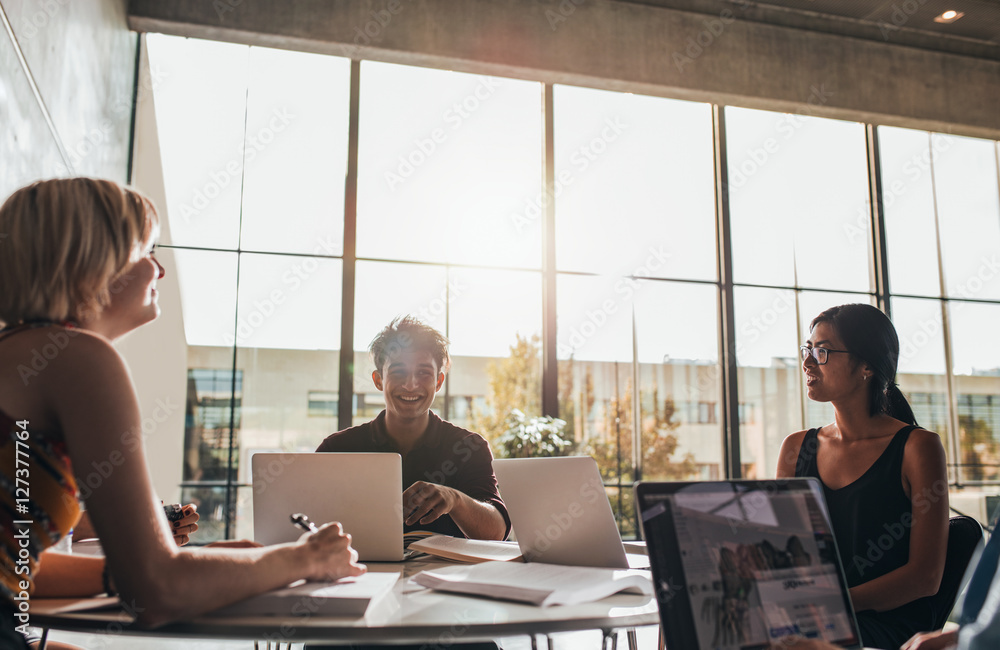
x=307, y=555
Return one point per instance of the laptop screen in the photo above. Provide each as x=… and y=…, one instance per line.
x=739, y=564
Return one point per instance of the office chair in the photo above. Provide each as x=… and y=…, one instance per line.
x=964, y=534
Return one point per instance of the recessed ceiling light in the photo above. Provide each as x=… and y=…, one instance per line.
x=949, y=16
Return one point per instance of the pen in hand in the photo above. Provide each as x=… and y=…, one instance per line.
x=303, y=522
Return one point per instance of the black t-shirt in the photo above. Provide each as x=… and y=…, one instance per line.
x=445, y=454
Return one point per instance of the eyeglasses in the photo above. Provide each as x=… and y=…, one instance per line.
x=819, y=354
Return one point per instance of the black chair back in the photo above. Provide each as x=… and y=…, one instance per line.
x=964, y=534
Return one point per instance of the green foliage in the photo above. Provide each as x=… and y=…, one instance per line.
x=614, y=453
x=529, y=437
x=514, y=386
x=979, y=449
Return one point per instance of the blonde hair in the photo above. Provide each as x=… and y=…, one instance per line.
x=63, y=242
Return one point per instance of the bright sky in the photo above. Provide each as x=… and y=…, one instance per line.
x=450, y=173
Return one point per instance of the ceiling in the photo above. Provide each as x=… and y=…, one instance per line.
x=902, y=22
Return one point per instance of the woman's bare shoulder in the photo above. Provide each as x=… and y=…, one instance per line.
x=925, y=442
x=78, y=359
x=789, y=455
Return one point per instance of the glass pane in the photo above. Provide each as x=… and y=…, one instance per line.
x=798, y=186
x=679, y=375
x=908, y=197
x=276, y=414
x=634, y=175
x=597, y=374
x=208, y=296
x=921, y=340
x=384, y=291
x=215, y=409
x=289, y=302
x=296, y=152
x=965, y=179
x=768, y=375
x=211, y=502
x=495, y=326
x=202, y=150
x=981, y=501
x=623, y=505
x=976, y=360
x=446, y=184
x=594, y=318
x=921, y=374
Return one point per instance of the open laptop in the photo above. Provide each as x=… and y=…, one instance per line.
x=739, y=564
x=362, y=491
x=560, y=512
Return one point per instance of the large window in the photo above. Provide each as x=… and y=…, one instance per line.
x=273, y=221
x=942, y=213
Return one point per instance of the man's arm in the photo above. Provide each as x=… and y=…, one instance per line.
x=471, y=497
x=426, y=502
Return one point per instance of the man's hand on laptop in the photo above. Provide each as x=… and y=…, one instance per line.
x=333, y=557
x=426, y=502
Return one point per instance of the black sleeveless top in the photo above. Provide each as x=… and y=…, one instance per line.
x=871, y=520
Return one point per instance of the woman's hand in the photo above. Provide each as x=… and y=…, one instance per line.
x=332, y=556
x=185, y=526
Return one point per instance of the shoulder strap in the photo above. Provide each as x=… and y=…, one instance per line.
x=893, y=454
x=28, y=325
x=898, y=442
x=805, y=465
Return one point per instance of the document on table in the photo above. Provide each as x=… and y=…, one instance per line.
x=536, y=583
x=468, y=550
x=355, y=596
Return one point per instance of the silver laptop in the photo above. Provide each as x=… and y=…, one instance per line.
x=560, y=512
x=364, y=492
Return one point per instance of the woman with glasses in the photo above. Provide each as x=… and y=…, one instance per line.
x=77, y=271
x=884, y=478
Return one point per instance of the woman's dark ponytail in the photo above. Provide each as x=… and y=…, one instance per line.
x=897, y=406
x=871, y=337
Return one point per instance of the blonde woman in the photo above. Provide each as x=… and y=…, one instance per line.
x=77, y=271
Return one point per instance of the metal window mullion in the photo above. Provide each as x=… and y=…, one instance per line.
x=956, y=449
x=550, y=361
x=136, y=80
x=880, y=253
x=727, y=316
x=345, y=389
x=636, y=405
x=447, y=328
x=230, y=508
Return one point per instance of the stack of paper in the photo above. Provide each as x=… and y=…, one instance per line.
x=468, y=550
x=536, y=583
x=347, y=597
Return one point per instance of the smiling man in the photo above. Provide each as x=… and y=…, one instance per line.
x=448, y=479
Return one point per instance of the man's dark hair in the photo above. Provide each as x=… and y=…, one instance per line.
x=409, y=333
